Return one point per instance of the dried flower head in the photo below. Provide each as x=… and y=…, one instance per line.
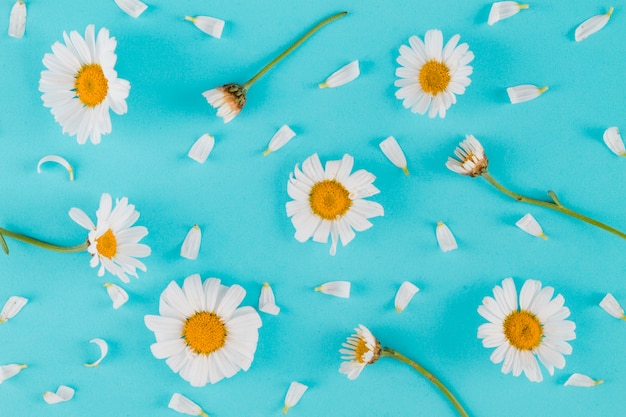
x=228, y=99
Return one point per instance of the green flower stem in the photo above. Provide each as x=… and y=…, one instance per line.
x=18, y=236
x=555, y=204
x=397, y=355
x=289, y=50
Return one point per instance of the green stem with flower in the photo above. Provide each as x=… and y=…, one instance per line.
x=40, y=243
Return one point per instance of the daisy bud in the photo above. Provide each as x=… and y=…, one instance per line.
x=209, y=25
x=531, y=226
x=63, y=393
x=17, y=19
x=184, y=405
x=59, y=160
x=394, y=153
x=342, y=76
x=580, y=380
x=295, y=392
x=501, y=10
x=404, y=295
x=280, y=139
x=117, y=294
x=191, y=245
x=202, y=148
x=445, y=238
x=611, y=306
x=337, y=288
x=525, y=92
x=104, y=350
x=133, y=8
x=592, y=25
x=9, y=371
x=614, y=141
x=13, y=306
x=267, y=302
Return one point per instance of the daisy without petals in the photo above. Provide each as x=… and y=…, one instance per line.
x=331, y=201
x=526, y=328
x=431, y=75
x=80, y=84
x=201, y=331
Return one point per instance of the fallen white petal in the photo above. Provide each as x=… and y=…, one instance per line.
x=612, y=306
x=63, y=393
x=337, y=288
x=613, y=140
x=184, y=405
x=59, y=160
x=530, y=225
x=295, y=392
x=592, y=25
x=394, y=153
x=133, y=8
x=191, y=244
x=404, y=295
x=104, y=350
x=280, y=139
x=17, y=20
x=117, y=294
x=9, y=371
x=503, y=10
x=202, y=148
x=13, y=306
x=445, y=238
x=580, y=380
x=342, y=76
x=267, y=302
x=525, y=92
x=209, y=25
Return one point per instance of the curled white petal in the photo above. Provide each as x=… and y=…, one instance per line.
x=13, y=306
x=343, y=75
x=207, y=24
x=267, y=302
x=530, y=225
x=133, y=8
x=337, y=288
x=592, y=25
x=202, y=148
x=62, y=394
x=280, y=139
x=184, y=405
x=612, y=306
x=191, y=244
x=9, y=371
x=445, y=238
x=104, y=350
x=17, y=19
x=394, y=153
x=501, y=10
x=581, y=380
x=295, y=392
x=59, y=160
x=404, y=295
x=614, y=142
x=117, y=294
x=525, y=92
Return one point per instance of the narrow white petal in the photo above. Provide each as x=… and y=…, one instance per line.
x=524, y=92
x=580, y=380
x=191, y=245
x=133, y=8
x=209, y=25
x=612, y=306
x=59, y=160
x=62, y=394
x=337, y=288
x=394, y=153
x=81, y=218
x=13, y=306
x=117, y=294
x=104, y=350
x=295, y=392
x=280, y=139
x=202, y=148
x=184, y=405
x=17, y=20
x=613, y=140
x=531, y=226
x=501, y=10
x=343, y=75
x=267, y=302
x=404, y=295
x=445, y=238
x=592, y=25
x=9, y=371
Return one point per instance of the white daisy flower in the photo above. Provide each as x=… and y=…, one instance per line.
x=191, y=244
x=104, y=350
x=202, y=333
x=527, y=328
x=592, y=25
x=445, y=238
x=612, y=306
x=59, y=160
x=339, y=289
x=342, y=76
x=13, y=306
x=184, y=405
x=280, y=139
x=404, y=295
x=394, y=153
x=80, y=84
x=228, y=99
x=117, y=294
x=9, y=371
x=501, y=10
x=267, y=302
x=469, y=158
x=524, y=92
x=294, y=393
x=580, y=380
x=331, y=201
x=360, y=350
x=431, y=75
x=17, y=19
x=201, y=149
x=62, y=394
x=530, y=225
x=207, y=24
x=113, y=243
x=614, y=142
x=133, y=8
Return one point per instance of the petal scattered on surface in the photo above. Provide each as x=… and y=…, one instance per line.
x=9, y=371
x=337, y=288
x=614, y=142
x=201, y=149
x=501, y=10
x=62, y=394
x=117, y=294
x=394, y=153
x=295, y=392
x=280, y=139
x=581, y=380
x=59, y=160
x=342, y=76
x=592, y=25
x=184, y=405
x=524, y=92
x=445, y=238
x=530, y=225
x=191, y=244
x=209, y=25
x=267, y=302
x=13, y=306
x=104, y=350
x=133, y=8
x=612, y=306
x=17, y=19
x=404, y=295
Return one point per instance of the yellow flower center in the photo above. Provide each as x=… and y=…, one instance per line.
x=106, y=245
x=204, y=332
x=360, y=350
x=434, y=77
x=329, y=199
x=91, y=85
x=523, y=330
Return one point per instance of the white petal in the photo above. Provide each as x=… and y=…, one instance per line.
x=191, y=245
x=343, y=75
x=524, y=92
x=104, y=350
x=13, y=306
x=580, y=380
x=445, y=238
x=295, y=392
x=394, y=153
x=337, y=288
x=612, y=306
x=9, y=371
x=504, y=9
x=184, y=405
x=209, y=25
x=17, y=20
x=404, y=295
x=531, y=226
x=133, y=8
x=592, y=25
x=81, y=218
x=59, y=160
x=614, y=141
x=202, y=148
x=117, y=294
x=62, y=394
x=280, y=139
x=267, y=302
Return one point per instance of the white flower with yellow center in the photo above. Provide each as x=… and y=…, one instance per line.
x=80, y=84
x=431, y=75
x=114, y=241
x=331, y=201
x=360, y=350
x=535, y=327
x=202, y=333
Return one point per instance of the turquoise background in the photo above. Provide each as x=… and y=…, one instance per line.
x=238, y=198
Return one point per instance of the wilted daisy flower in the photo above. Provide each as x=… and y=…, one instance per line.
x=614, y=142
x=612, y=306
x=580, y=380
x=501, y=10
x=80, y=84
x=184, y=405
x=431, y=75
x=342, y=76
x=117, y=294
x=114, y=241
x=294, y=393
x=404, y=295
x=394, y=153
x=592, y=25
x=202, y=333
x=526, y=328
x=9, y=371
x=445, y=238
x=133, y=8
x=339, y=289
x=209, y=25
x=331, y=201
x=13, y=306
x=530, y=225
x=524, y=92
x=17, y=19
x=469, y=158
x=62, y=394
x=104, y=350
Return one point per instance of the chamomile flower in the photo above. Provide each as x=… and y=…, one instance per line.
x=359, y=350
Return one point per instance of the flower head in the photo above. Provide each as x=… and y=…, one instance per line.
x=470, y=158
x=360, y=350
x=228, y=99
x=527, y=328
x=80, y=84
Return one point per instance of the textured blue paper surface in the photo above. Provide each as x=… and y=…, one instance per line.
x=238, y=198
